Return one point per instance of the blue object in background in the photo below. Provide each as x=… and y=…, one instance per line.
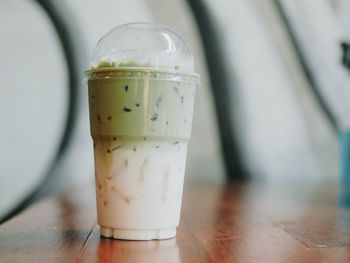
x=345, y=168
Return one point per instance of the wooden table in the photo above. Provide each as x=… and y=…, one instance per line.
x=219, y=223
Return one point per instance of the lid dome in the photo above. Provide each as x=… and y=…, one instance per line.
x=142, y=45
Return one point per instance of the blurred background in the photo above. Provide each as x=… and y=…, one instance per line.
x=273, y=106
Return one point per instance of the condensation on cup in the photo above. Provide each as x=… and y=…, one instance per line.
x=141, y=96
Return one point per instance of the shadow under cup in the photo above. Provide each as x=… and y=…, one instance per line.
x=140, y=124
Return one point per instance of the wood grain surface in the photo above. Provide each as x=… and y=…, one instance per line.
x=219, y=223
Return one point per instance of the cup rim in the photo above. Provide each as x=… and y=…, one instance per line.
x=142, y=73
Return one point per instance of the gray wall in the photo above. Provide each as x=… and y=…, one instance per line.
x=283, y=134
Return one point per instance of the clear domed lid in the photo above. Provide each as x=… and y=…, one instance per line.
x=142, y=45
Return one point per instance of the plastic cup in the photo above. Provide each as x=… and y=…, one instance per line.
x=141, y=97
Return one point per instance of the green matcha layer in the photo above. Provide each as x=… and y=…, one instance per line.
x=135, y=106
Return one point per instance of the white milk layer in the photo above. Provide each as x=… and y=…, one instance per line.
x=139, y=182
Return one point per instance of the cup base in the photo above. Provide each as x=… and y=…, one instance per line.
x=135, y=234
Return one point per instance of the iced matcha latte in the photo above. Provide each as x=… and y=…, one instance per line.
x=140, y=117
